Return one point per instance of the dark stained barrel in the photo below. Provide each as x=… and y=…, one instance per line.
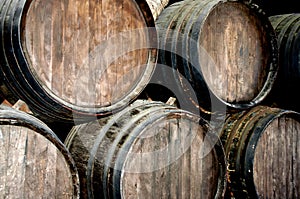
x=285, y=92
x=262, y=150
x=34, y=163
x=225, y=50
x=148, y=150
x=71, y=57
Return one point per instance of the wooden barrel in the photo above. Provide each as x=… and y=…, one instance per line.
x=226, y=50
x=34, y=163
x=287, y=27
x=83, y=57
x=262, y=150
x=148, y=150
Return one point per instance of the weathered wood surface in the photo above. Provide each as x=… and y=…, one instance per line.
x=263, y=153
x=157, y=6
x=226, y=50
x=148, y=150
x=89, y=56
x=33, y=162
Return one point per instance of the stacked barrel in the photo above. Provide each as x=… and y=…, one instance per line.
x=83, y=58
x=148, y=99
x=149, y=149
x=34, y=162
x=231, y=55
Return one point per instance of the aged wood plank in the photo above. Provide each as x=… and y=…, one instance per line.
x=157, y=6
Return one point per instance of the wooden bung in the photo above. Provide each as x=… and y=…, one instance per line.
x=76, y=57
x=34, y=163
x=263, y=153
x=148, y=150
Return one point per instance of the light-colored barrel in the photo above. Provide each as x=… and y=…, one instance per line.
x=34, y=163
x=157, y=6
x=74, y=57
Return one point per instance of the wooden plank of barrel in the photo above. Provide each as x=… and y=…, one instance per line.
x=157, y=6
x=262, y=150
x=226, y=50
x=89, y=58
x=148, y=150
x=284, y=94
x=34, y=163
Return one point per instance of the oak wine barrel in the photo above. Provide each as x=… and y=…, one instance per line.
x=68, y=58
x=262, y=150
x=226, y=50
x=34, y=163
x=285, y=92
x=148, y=150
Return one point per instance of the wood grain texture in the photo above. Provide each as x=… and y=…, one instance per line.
x=157, y=7
x=276, y=160
x=148, y=150
x=261, y=146
x=239, y=50
x=33, y=162
x=86, y=52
